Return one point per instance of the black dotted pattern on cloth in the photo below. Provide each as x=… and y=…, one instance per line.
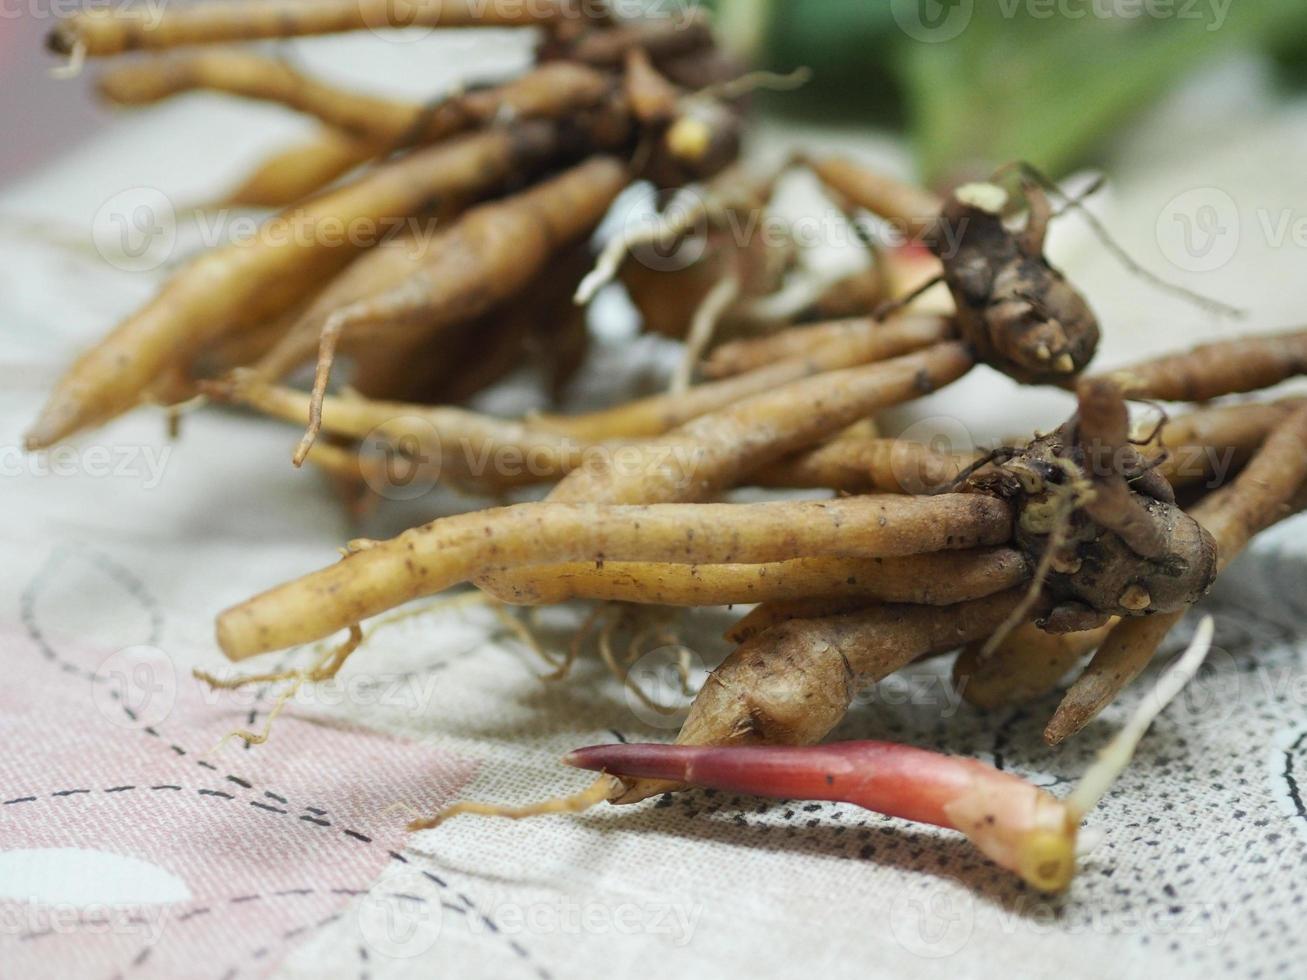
x=1205, y=831
x=1224, y=878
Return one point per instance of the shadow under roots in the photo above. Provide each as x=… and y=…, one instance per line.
x=836, y=831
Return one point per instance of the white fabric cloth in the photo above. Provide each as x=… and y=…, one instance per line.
x=1200, y=869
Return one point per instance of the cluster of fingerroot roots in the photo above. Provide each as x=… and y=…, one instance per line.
x=1095, y=536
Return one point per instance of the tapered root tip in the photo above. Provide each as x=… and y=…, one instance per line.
x=639, y=771
x=588, y=758
x=1066, y=721
x=631, y=790
x=302, y=451
x=44, y=433
x=65, y=413
x=1087, y=697
x=650, y=761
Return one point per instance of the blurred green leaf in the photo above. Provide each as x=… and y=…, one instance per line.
x=1048, y=90
x=981, y=82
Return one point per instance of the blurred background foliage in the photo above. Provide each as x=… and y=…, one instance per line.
x=974, y=83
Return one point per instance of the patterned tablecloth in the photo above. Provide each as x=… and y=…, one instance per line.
x=132, y=845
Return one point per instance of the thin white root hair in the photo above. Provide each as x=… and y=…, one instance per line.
x=756, y=81
x=703, y=327
x=324, y=668
x=524, y=635
x=328, y=664
x=578, y=641
x=439, y=605
x=791, y=299
x=588, y=798
x=687, y=208
x=1077, y=203
x=1115, y=756
x=498, y=609
x=328, y=340
x=74, y=65
x=634, y=650
x=1057, y=538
